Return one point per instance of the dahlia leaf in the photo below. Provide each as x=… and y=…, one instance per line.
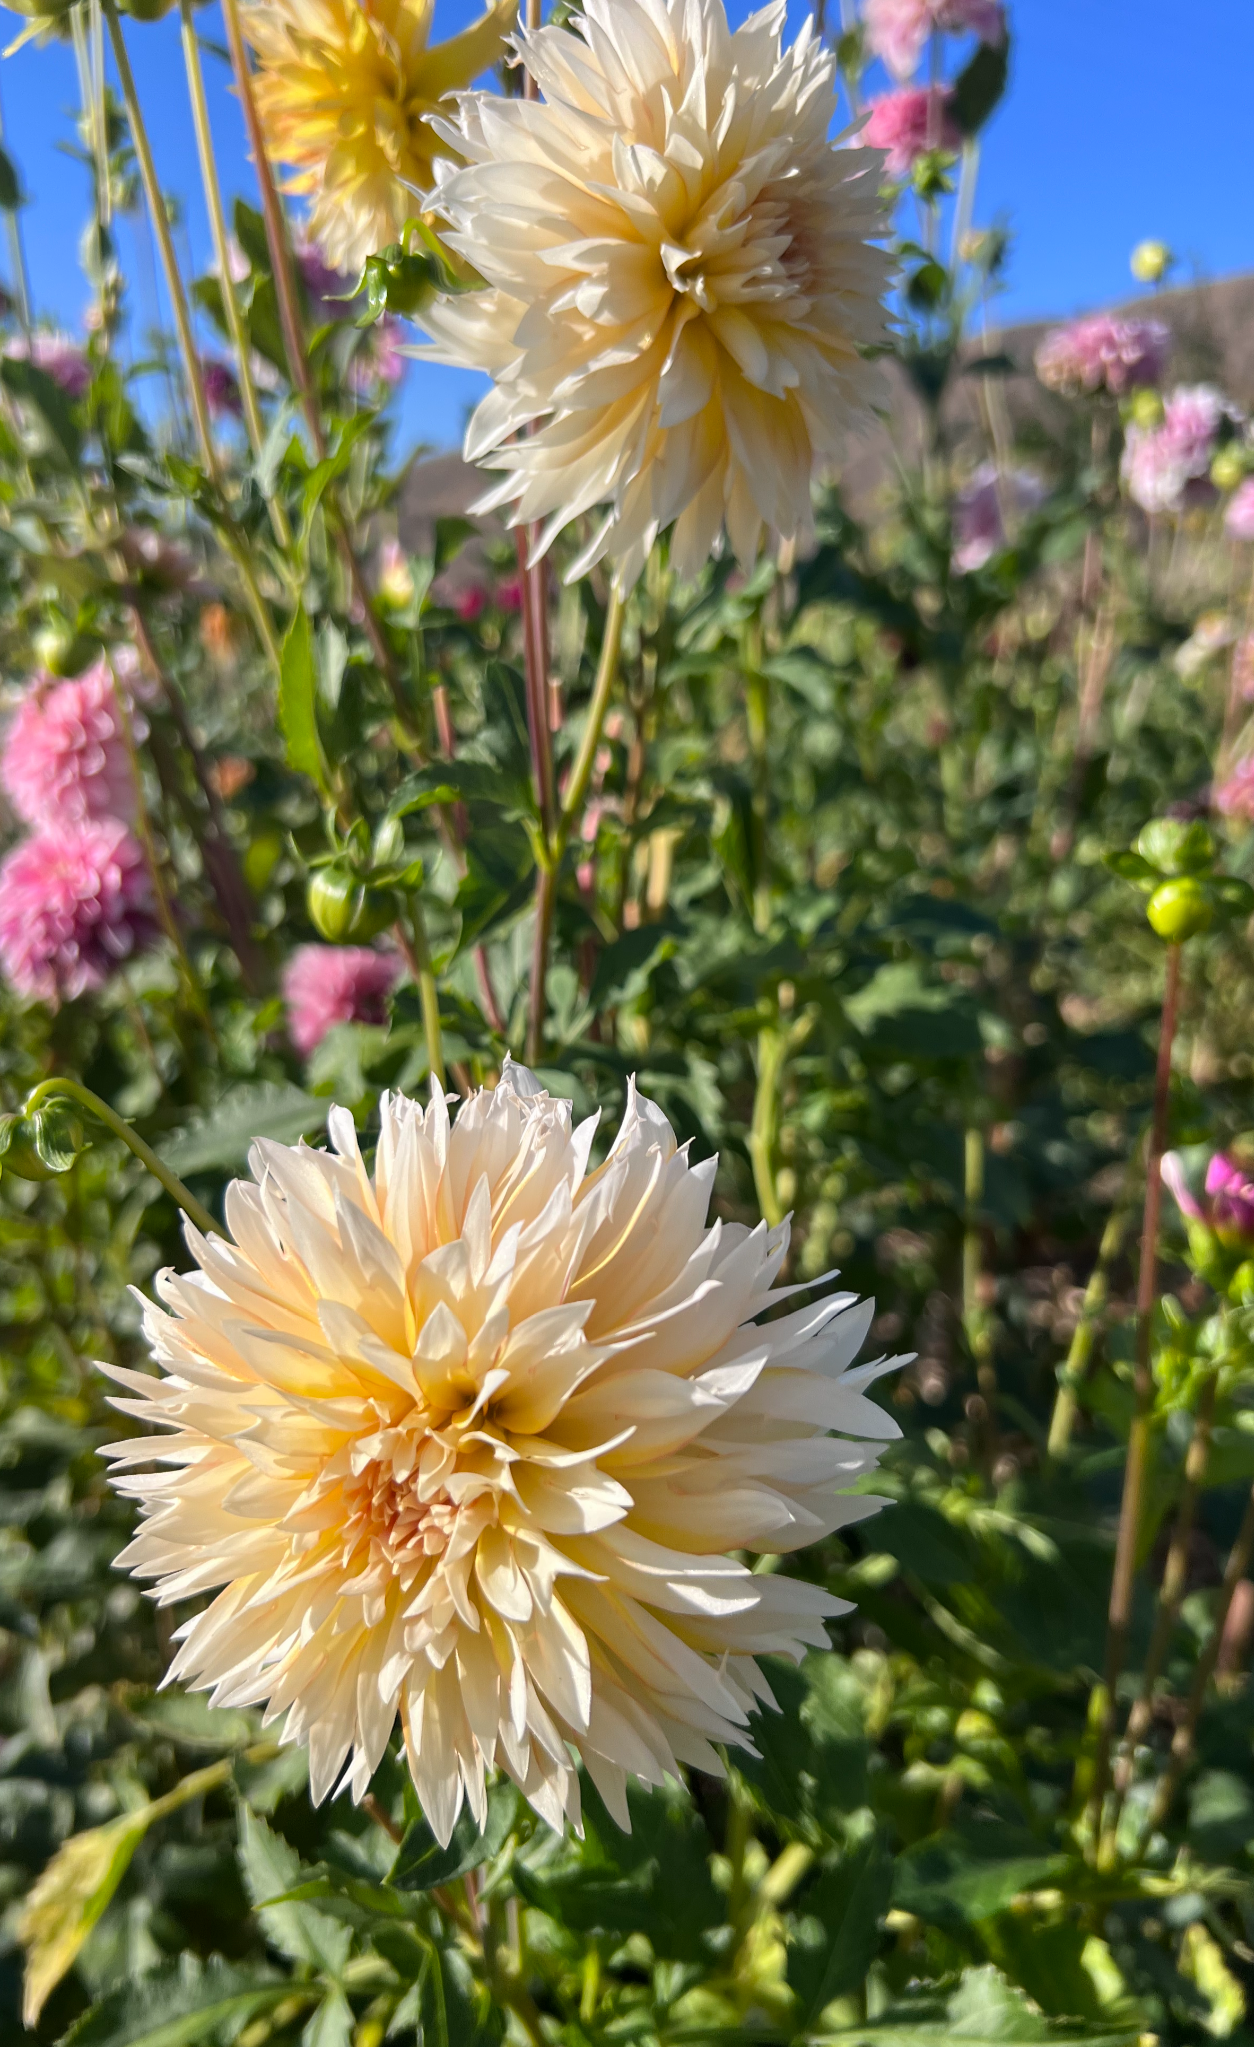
x=422, y=1864
x=298, y=713
x=179, y=2006
x=222, y=1138
x=270, y=1868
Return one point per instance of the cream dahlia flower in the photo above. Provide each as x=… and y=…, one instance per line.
x=346, y=90
x=682, y=278
x=467, y=1439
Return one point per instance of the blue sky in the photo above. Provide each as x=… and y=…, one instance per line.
x=1126, y=118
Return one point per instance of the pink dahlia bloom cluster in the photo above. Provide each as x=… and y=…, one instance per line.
x=1103, y=353
x=76, y=896
x=1235, y=796
x=324, y=985
x=57, y=356
x=1228, y=1204
x=222, y=393
x=896, y=30
x=908, y=123
x=1167, y=467
x=1239, y=517
x=65, y=756
x=980, y=513
x=75, y=900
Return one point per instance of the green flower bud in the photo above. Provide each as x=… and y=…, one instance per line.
x=1151, y=261
x=17, y=1151
x=1241, y=1285
x=333, y=900
x=1228, y=468
x=1180, y=909
x=1145, y=409
x=1174, y=847
x=375, y=912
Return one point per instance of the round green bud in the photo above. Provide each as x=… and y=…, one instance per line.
x=1145, y=409
x=1228, y=468
x=1150, y=262
x=1179, y=910
x=1175, y=846
x=17, y=1151
x=333, y=900
x=375, y=912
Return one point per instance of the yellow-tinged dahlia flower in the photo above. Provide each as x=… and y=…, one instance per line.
x=682, y=278
x=346, y=90
x=466, y=1439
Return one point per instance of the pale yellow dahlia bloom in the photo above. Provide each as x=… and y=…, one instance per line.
x=466, y=1439
x=346, y=90
x=682, y=278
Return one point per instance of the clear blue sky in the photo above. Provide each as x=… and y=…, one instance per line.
x=1126, y=118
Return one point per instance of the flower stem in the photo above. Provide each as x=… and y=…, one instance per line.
x=557, y=826
x=186, y=338
x=74, y=1089
x=221, y=246
x=757, y=717
x=1183, y=1740
x=291, y=327
x=17, y=256
x=1073, y=1372
x=417, y=956
x=1170, y=1599
x=772, y=1049
x=1136, y=1469
x=975, y=1319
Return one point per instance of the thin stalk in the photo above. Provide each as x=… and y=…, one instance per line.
x=1183, y=1741
x=417, y=956
x=536, y=666
x=975, y=1320
x=222, y=251
x=1170, y=1599
x=757, y=719
x=17, y=255
x=187, y=973
x=74, y=1089
x=291, y=327
x=594, y=722
x=764, y=1129
x=1074, y=1371
x=542, y=932
x=1119, y=1615
x=183, y=326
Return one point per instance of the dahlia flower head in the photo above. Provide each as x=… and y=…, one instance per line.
x=346, y=95
x=325, y=985
x=75, y=901
x=682, y=282
x=908, y=123
x=1166, y=468
x=1227, y=1207
x=1103, y=353
x=897, y=30
x=65, y=756
x=464, y=1439
x=980, y=513
x=57, y=356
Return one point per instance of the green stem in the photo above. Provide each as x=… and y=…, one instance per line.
x=602, y=690
x=1136, y=1470
x=221, y=246
x=757, y=718
x=17, y=255
x=764, y=1129
x=1074, y=1371
x=74, y=1089
x=235, y=543
x=417, y=955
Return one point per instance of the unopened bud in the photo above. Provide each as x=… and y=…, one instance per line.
x=1151, y=261
x=1179, y=910
x=1228, y=468
x=333, y=899
x=1145, y=409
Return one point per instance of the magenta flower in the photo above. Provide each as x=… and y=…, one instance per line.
x=221, y=389
x=57, y=356
x=908, y=123
x=1239, y=517
x=65, y=757
x=1167, y=467
x=324, y=985
x=1228, y=1208
x=1235, y=796
x=327, y=288
x=469, y=602
x=979, y=513
x=75, y=900
x=1103, y=353
x=896, y=30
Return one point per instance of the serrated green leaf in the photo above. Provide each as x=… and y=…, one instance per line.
x=298, y=702
x=179, y=2006
x=272, y=1867
x=421, y=1862
x=222, y=1137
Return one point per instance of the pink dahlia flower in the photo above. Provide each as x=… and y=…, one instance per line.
x=1167, y=467
x=908, y=123
x=57, y=356
x=65, y=757
x=1103, y=353
x=1228, y=1206
x=896, y=30
x=979, y=522
x=1239, y=517
x=75, y=900
x=324, y=985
